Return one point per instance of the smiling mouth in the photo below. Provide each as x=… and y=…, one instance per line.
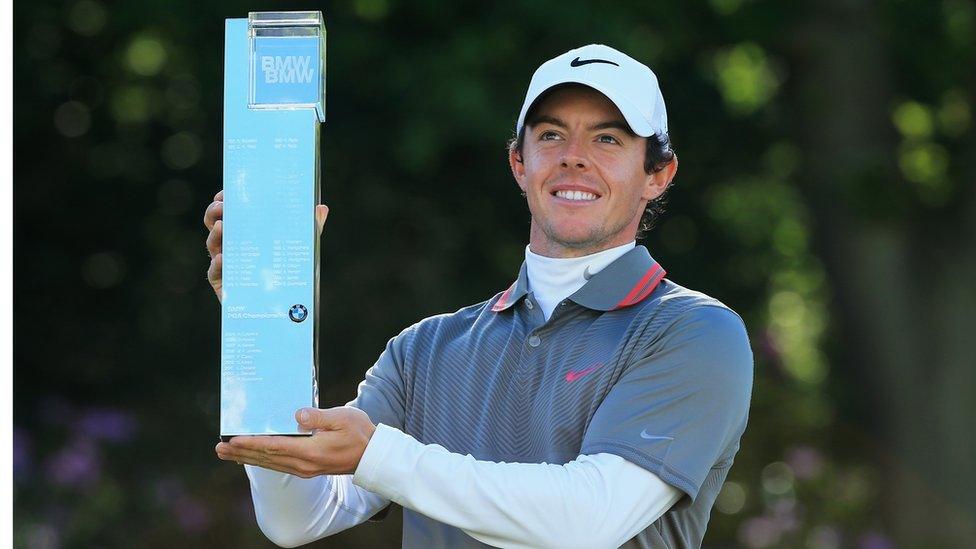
x=580, y=196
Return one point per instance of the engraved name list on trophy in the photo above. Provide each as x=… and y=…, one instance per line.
x=274, y=86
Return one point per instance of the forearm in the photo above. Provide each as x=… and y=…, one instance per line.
x=593, y=501
x=292, y=511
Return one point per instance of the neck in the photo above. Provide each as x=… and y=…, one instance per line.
x=541, y=244
x=552, y=279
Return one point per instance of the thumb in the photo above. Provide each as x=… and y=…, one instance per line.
x=321, y=214
x=314, y=418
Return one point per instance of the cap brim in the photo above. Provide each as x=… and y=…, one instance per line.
x=638, y=124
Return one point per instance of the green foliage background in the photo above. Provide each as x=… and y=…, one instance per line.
x=826, y=170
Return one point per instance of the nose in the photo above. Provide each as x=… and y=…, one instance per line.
x=573, y=155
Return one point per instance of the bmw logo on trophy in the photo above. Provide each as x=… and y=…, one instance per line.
x=274, y=90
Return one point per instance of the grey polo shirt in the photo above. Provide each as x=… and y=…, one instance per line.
x=631, y=364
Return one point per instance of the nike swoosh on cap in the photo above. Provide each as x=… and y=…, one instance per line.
x=577, y=63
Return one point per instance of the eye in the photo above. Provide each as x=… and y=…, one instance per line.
x=605, y=138
x=548, y=135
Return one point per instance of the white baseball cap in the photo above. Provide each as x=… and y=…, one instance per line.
x=630, y=84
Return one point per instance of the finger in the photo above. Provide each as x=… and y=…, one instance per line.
x=215, y=240
x=284, y=464
x=315, y=418
x=281, y=469
x=275, y=445
x=213, y=212
x=229, y=452
x=219, y=197
x=321, y=214
x=214, y=273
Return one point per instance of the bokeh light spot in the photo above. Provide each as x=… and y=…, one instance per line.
x=875, y=540
x=371, y=10
x=805, y=461
x=759, y=532
x=87, y=17
x=790, y=237
x=786, y=308
x=960, y=21
x=146, y=55
x=72, y=119
x=823, y=537
x=180, y=151
x=795, y=325
x=725, y=7
x=103, y=270
x=43, y=536
x=925, y=165
x=781, y=159
x=913, y=120
x=731, y=499
x=745, y=78
x=132, y=104
x=954, y=113
x=777, y=478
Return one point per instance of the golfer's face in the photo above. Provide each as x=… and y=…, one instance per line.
x=583, y=174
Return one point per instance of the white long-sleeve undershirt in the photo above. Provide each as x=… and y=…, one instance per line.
x=599, y=500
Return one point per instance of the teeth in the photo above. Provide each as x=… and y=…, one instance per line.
x=576, y=195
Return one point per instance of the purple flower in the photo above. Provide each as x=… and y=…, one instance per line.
x=192, y=515
x=107, y=424
x=806, y=462
x=43, y=536
x=874, y=540
x=769, y=346
x=21, y=454
x=784, y=514
x=759, y=532
x=77, y=464
x=167, y=490
x=824, y=537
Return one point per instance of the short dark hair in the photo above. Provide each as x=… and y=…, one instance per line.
x=657, y=155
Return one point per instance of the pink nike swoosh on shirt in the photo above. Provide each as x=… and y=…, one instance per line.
x=573, y=376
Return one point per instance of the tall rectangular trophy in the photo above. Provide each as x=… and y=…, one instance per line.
x=274, y=90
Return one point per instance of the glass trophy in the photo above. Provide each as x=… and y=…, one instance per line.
x=274, y=91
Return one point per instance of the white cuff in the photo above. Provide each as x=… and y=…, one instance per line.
x=381, y=475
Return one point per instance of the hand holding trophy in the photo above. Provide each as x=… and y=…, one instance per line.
x=213, y=221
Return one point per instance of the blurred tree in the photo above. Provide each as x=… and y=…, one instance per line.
x=894, y=219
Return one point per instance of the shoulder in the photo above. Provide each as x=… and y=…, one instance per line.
x=695, y=330
x=674, y=309
x=435, y=327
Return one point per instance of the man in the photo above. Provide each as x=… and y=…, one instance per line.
x=591, y=404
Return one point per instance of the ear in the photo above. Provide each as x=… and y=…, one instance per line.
x=518, y=167
x=656, y=183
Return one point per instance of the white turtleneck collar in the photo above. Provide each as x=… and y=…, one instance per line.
x=553, y=279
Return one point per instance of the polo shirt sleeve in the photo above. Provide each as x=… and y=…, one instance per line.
x=382, y=394
x=681, y=406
